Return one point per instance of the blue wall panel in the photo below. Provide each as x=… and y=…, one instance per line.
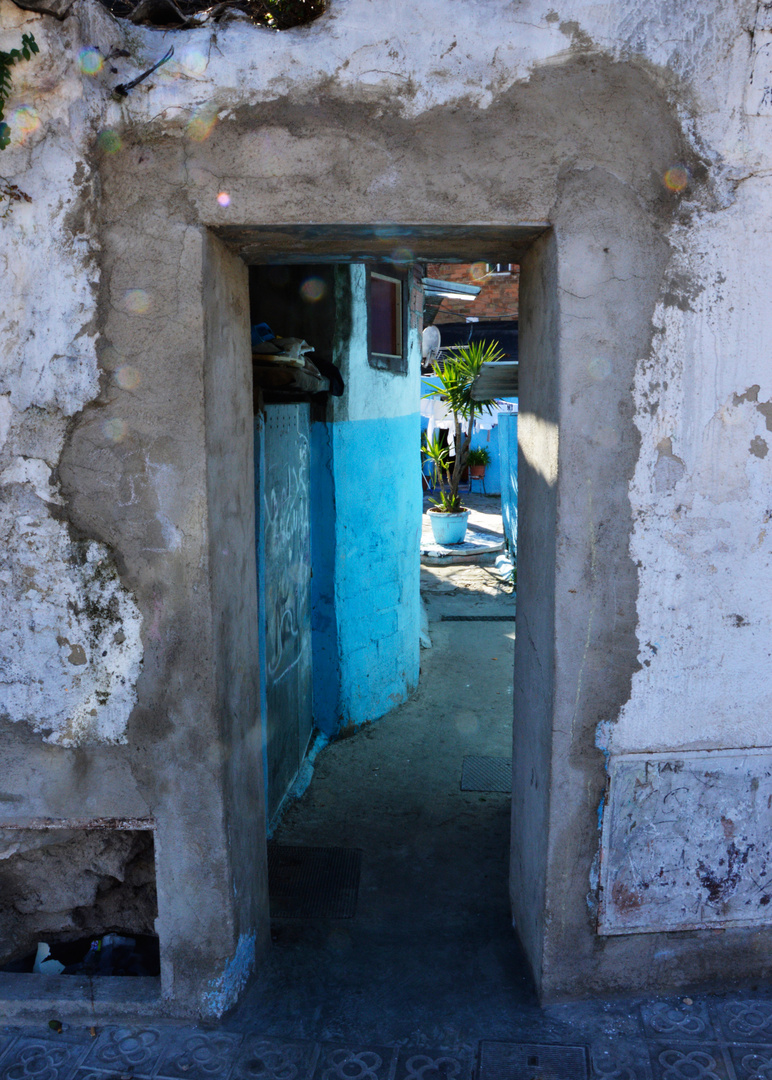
x=324, y=629
x=378, y=507
x=507, y=429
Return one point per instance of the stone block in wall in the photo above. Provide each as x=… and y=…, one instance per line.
x=686, y=842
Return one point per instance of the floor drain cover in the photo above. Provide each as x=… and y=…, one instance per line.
x=526, y=1061
x=313, y=882
x=486, y=774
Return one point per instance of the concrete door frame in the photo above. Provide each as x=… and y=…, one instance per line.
x=589, y=288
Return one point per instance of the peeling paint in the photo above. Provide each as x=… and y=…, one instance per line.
x=223, y=991
x=70, y=647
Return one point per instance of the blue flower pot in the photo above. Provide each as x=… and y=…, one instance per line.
x=448, y=528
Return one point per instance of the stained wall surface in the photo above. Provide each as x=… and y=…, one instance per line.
x=375, y=433
x=638, y=136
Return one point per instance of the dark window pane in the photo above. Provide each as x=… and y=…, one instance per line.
x=385, y=316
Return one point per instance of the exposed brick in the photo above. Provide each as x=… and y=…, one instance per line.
x=498, y=297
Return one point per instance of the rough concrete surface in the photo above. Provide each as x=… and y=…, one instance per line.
x=430, y=965
x=633, y=139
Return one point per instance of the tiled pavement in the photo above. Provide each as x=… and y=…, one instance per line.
x=719, y=1038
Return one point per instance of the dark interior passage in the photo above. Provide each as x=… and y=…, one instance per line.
x=431, y=947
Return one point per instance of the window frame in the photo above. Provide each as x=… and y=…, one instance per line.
x=393, y=362
x=494, y=271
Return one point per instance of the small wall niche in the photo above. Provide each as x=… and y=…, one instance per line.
x=87, y=893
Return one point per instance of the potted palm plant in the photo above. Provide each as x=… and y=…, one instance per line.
x=453, y=377
x=478, y=459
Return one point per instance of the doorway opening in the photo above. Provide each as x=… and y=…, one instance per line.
x=432, y=850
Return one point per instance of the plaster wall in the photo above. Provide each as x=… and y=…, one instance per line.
x=644, y=447
x=375, y=436
x=534, y=677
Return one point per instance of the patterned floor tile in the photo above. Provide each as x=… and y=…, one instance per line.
x=202, y=1055
x=126, y=1051
x=746, y=1021
x=41, y=1059
x=7, y=1039
x=268, y=1059
x=674, y=1018
x=96, y=1074
x=688, y=1061
x=422, y=1064
x=752, y=1062
x=619, y=1060
x=344, y=1063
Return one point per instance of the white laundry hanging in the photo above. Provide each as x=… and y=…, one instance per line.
x=439, y=416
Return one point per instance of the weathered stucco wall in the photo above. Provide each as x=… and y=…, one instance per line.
x=375, y=436
x=488, y=113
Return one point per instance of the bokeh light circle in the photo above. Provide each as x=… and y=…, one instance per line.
x=224, y=198
x=24, y=120
x=127, y=377
x=90, y=61
x=402, y=255
x=193, y=62
x=109, y=141
x=115, y=430
x=677, y=178
x=599, y=367
x=478, y=270
x=313, y=289
x=136, y=301
x=202, y=123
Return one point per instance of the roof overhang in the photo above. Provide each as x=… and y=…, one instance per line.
x=498, y=379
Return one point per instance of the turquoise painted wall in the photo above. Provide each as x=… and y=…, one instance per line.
x=378, y=526
x=324, y=626
x=507, y=431
x=365, y=526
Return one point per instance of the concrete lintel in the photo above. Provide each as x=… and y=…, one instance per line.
x=298, y=243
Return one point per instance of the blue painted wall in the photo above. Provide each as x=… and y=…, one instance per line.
x=378, y=525
x=324, y=627
x=507, y=431
x=365, y=527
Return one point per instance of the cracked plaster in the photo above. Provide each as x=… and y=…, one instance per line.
x=698, y=496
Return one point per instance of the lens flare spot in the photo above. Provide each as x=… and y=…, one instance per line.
x=90, y=61
x=599, y=367
x=109, y=141
x=224, y=198
x=402, y=255
x=466, y=725
x=313, y=289
x=193, y=62
x=24, y=121
x=478, y=270
x=676, y=178
x=136, y=301
x=202, y=123
x=127, y=377
x=115, y=430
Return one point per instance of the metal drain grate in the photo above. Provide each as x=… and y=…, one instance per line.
x=531, y=1061
x=478, y=618
x=486, y=774
x=313, y=882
